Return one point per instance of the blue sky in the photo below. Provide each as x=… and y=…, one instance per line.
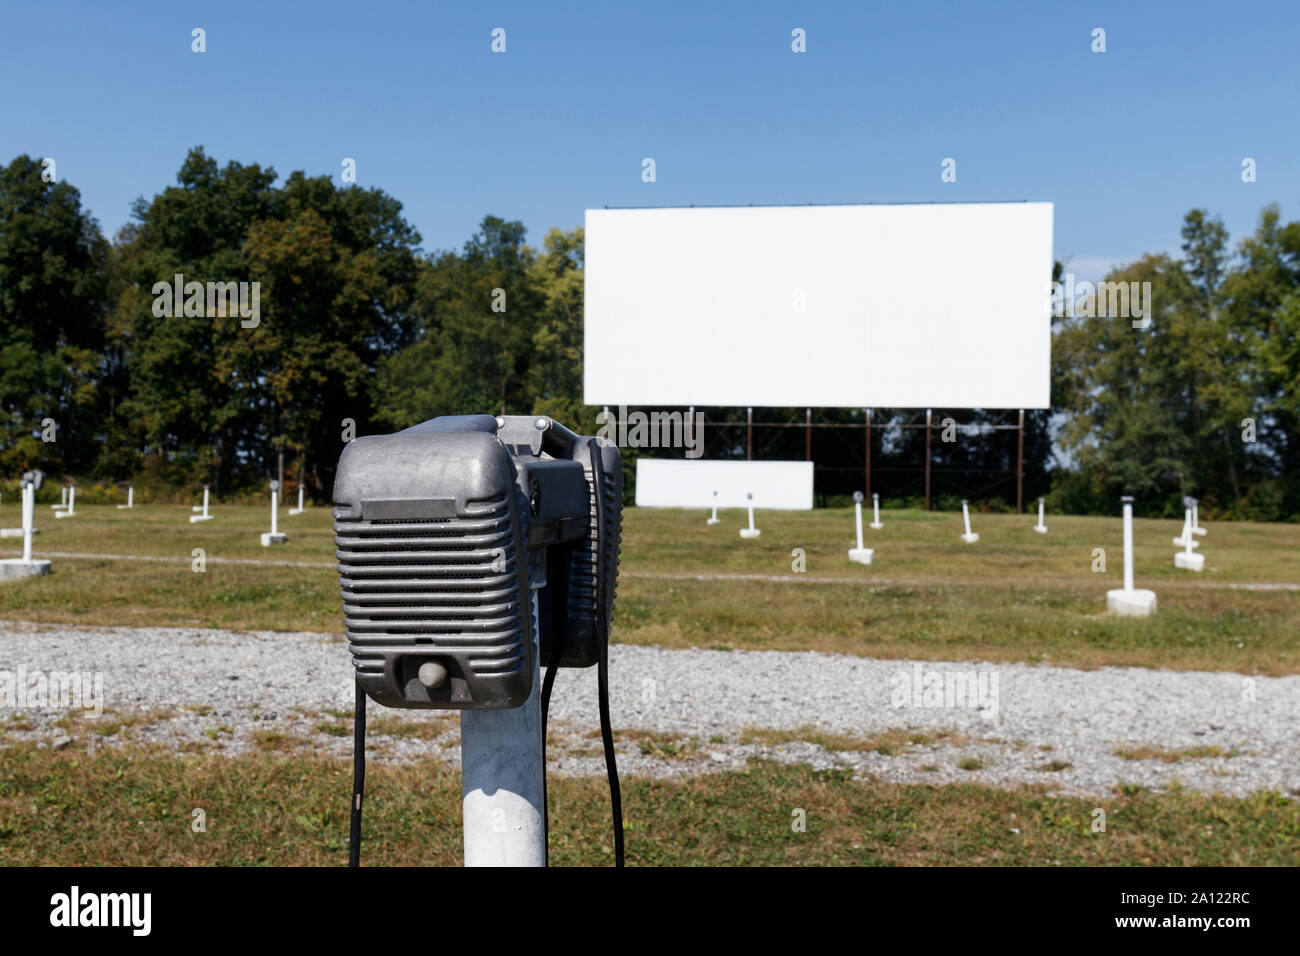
x=1123, y=142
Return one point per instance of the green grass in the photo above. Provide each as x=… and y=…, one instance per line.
x=134, y=807
x=1014, y=596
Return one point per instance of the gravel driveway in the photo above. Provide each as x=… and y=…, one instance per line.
x=691, y=711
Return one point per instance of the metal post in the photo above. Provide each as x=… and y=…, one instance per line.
x=501, y=780
x=807, y=418
x=749, y=434
x=927, y=459
x=275, y=495
x=857, y=520
x=868, y=491
x=1020, y=466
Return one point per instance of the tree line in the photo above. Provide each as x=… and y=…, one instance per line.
x=141, y=358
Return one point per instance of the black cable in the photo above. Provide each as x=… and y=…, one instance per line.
x=602, y=656
x=611, y=766
x=552, y=668
x=358, y=776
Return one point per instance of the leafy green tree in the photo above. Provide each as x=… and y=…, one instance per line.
x=478, y=311
x=53, y=308
x=334, y=268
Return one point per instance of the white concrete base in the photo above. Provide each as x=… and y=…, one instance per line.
x=714, y=521
x=1189, y=562
x=194, y=518
x=970, y=538
x=65, y=514
x=15, y=532
x=269, y=539
x=1041, y=528
x=13, y=569
x=59, y=507
x=1182, y=543
x=296, y=511
x=1198, y=531
x=875, y=524
x=196, y=507
x=1135, y=603
x=750, y=532
x=123, y=507
x=861, y=555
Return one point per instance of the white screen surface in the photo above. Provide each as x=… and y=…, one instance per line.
x=906, y=306
x=674, y=483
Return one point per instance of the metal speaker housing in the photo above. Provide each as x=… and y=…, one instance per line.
x=430, y=535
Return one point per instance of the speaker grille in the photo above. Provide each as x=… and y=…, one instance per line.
x=445, y=585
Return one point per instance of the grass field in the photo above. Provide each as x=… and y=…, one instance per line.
x=135, y=807
x=1014, y=596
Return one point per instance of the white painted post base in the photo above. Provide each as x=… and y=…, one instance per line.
x=273, y=537
x=1135, y=603
x=1040, y=527
x=14, y=569
x=300, y=509
x=862, y=555
x=63, y=498
x=130, y=500
x=15, y=532
x=714, y=519
x=875, y=512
